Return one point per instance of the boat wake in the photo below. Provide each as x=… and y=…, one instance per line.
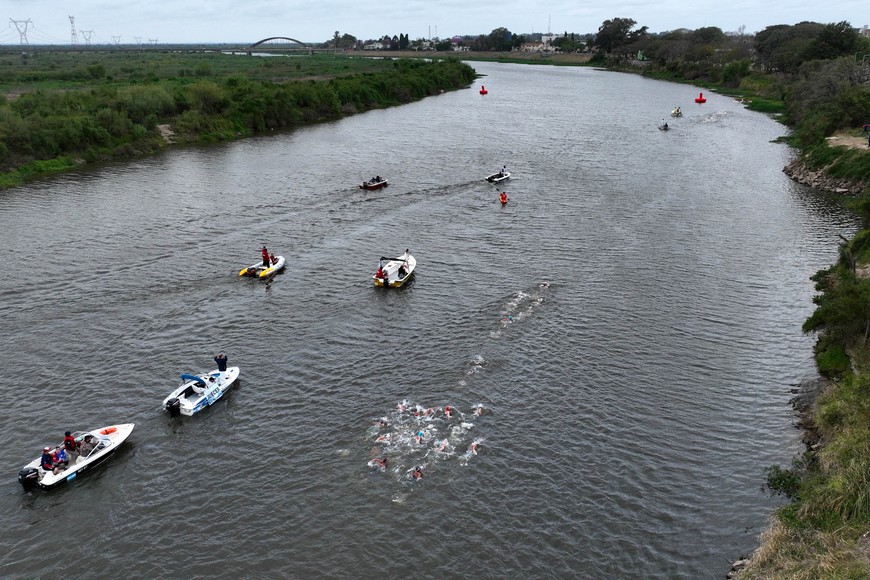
x=521, y=305
x=414, y=441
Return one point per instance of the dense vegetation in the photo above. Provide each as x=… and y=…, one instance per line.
x=61, y=113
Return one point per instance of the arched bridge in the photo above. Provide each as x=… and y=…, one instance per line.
x=273, y=38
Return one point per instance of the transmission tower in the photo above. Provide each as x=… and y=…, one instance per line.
x=153, y=40
x=21, y=26
x=86, y=34
x=116, y=40
x=72, y=23
x=138, y=40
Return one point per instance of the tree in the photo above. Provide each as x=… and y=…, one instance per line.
x=833, y=40
x=617, y=32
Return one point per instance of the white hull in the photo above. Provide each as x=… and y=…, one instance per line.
x=391, y=269
x=195, y=395
x=498, y=177
x=106, y=442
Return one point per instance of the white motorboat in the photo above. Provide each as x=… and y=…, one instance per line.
x=199, y=391
x=498, y=177
x=92, y=448
x=260, y=271
x=394, y=272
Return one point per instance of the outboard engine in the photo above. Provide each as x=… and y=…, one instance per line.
x=28, y=478
x=173, y=405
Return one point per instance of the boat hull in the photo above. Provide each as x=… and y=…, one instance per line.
x=376, y=185
x=498, y=177
x=190, y=398
x=392, y=269
x=108, y=440
x=259, y=271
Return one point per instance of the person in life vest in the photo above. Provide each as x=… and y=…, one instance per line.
x=70, y=446
x=503, y=198
x=61, y=461
x=265, y=254
x=47, y=460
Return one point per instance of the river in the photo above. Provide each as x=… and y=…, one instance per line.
x=629, y=321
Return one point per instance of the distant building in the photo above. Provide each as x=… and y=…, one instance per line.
x=865, y=31
x=537, y=47
x=548, y=38
x=374, y=46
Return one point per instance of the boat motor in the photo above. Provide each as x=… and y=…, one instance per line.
x=28, y=477
x=173, y=405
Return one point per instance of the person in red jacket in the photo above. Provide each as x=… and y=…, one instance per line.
x=71, y=447
x=265, y=253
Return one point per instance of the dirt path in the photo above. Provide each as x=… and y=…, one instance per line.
x=848, y=139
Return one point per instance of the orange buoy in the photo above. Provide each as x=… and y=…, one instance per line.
x=483, y=90
x=700, y=98
x=107, y=430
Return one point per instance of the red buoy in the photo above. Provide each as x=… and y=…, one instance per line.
x=483, y=90
x=700, y=98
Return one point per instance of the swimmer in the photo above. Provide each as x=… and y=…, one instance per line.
x=380, y=462
x=473, y=447
x=419, y=437
x=448, y=412
x=383, y=438
x=443, y=445
x=478, y=410
x=417, y=473
x=544, y=285
x=383, y=422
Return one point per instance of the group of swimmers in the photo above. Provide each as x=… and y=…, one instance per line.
x=413, y=430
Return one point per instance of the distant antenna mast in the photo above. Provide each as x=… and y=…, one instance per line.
x=74, y=39
x=86, y=34
x=21, y=26
x=549, y=21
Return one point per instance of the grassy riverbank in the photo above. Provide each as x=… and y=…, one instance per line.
x=62, y=109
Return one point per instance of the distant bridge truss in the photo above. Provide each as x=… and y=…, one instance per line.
x=278, y=43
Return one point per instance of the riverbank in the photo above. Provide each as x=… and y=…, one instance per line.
x=56, y=115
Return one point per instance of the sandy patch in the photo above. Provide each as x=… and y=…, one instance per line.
x=850, y=140
x=167, y=133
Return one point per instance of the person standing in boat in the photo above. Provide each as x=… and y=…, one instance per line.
x=265, y=254
x=221, y=361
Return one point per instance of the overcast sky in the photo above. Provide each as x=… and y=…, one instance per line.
x=247, y=21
